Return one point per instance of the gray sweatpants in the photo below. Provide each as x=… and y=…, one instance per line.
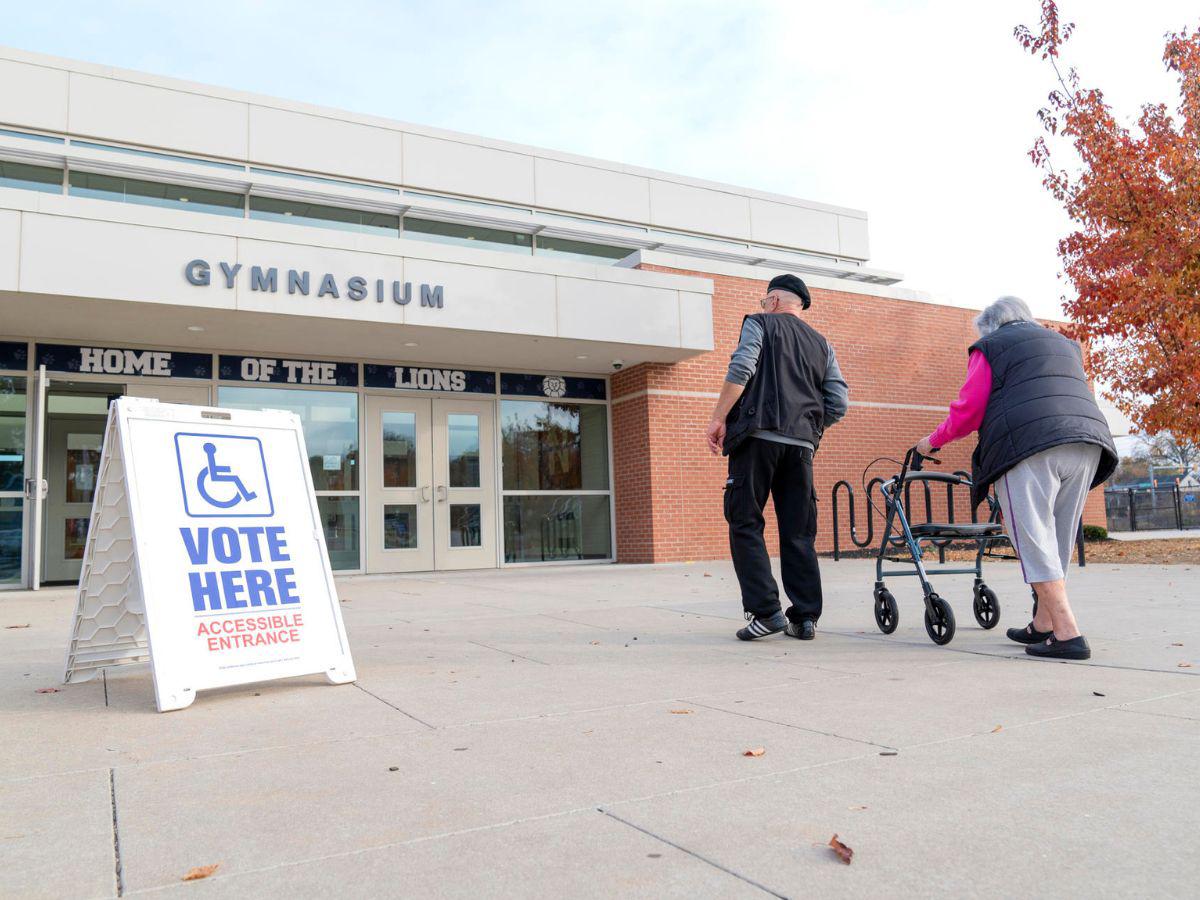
x=1042, y=498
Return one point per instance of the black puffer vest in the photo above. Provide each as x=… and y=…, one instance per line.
x=784, y=393
x=1040, y=399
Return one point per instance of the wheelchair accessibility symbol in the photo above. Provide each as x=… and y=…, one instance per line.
x=223, y=475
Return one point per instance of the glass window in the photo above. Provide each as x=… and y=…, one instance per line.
x=155, y=193
x=464, y=449
x=12, y=436
x=11, y=520
x=319, y=180
x=340, y=518
x=330, y=420
x=399, y=450
x=272, y=210
x=554, y=446
x=553, y=528
x=50, y=139
x=468, y=235
x=400, y=526
x=31, y=178
x=83, y=462
x=581, y=251
x=465, y=528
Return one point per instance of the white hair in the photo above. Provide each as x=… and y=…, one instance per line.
x=1001, y=312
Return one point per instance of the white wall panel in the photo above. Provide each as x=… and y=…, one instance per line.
x=110, y=260
x=695, y=321
x=159, y=117
x=295, y=140
x=33, y=96
x=602, y=192
x=10, y=248
x=699, y=209
x=794, y=226
x=318, y=261
x=458, y=168
x=482, y=299
x=853, y=238
x=621, y=313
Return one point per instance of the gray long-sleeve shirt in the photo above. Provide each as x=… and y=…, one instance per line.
x=744, y=361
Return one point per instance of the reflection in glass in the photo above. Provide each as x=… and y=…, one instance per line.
x=465, y=528
x=468, y=236
x=12, y=437
x=339, y=515
x=11, y=521
x=464, y=449
x=399, y=527
x=554, y=446
x=324, y=216
x=30, y=178
x=83, y=463
x=545, y=528
x=330, y=421
x=399, y=450
x=75, y=531
x=155, y=193
x=580, y=251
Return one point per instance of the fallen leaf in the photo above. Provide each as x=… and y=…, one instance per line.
x=857, y=808
x=47, y=690
x=1185, y=665
x=997, y=728
x=681, y=712
x=26, y=625
x=1098, y=694
x=595, y=643
x=200, y=872
x=889, y=752
x=393, y=768
x=757, y=751
x=844, y=853
x=706, y=575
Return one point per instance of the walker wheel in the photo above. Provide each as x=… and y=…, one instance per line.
x=887, y=611
x=939, y=626
x=986, y=607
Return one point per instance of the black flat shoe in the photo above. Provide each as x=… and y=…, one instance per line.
x=1052, y=648
x=1028, y=635
x=806, y=629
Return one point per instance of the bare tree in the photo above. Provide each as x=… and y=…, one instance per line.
x=1164, y=449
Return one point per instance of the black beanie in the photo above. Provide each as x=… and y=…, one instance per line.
x=792, y=284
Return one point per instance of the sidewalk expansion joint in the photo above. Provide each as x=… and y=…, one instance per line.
x=693, y=854
x=509, y=653
x=840, y=737
x=112, y=800
x=395, y=707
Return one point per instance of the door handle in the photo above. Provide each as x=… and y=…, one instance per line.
x=425, y=493
x=441, y=493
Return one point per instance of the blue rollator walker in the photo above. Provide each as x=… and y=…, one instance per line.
x=898, y=532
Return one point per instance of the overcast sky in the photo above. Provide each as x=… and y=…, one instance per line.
x=918, y=111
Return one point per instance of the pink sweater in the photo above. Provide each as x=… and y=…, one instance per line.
x=966, y=413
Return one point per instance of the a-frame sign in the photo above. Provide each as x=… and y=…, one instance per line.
x=205, y=555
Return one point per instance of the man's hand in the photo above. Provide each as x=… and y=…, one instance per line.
x=715, y=434
x=924, y=447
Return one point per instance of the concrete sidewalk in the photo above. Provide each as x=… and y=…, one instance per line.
x=580, y=732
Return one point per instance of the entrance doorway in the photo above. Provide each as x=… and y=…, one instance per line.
x=76, y=415
x=431, y=492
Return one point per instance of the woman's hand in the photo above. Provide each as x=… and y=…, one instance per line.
x=715, y=434
x=924, y=447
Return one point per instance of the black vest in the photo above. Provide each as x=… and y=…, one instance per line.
x=784, y=393
x=1040, y=399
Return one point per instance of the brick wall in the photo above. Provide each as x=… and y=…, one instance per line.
x=904, y=362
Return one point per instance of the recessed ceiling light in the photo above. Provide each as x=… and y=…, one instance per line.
x=195, y=328
x=410, y=343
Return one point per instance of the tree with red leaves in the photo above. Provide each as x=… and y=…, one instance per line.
x=1134, y=258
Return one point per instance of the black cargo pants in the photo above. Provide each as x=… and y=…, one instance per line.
x=784, y=471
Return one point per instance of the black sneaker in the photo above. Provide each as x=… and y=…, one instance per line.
x=759, y=628
x=1028, y=635
x=1053, y=648
x=805, y=629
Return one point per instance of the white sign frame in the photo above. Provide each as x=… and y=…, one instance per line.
x=122, y=613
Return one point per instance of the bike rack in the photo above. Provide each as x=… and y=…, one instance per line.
x=870, y=538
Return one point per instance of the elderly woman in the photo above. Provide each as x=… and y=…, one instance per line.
x=1043, y=443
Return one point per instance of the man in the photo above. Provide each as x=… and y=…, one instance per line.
x=782, y=390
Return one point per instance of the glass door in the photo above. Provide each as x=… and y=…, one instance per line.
x=464, y=484
x=399, y=485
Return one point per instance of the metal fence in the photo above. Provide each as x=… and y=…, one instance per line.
x=1149, y=509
